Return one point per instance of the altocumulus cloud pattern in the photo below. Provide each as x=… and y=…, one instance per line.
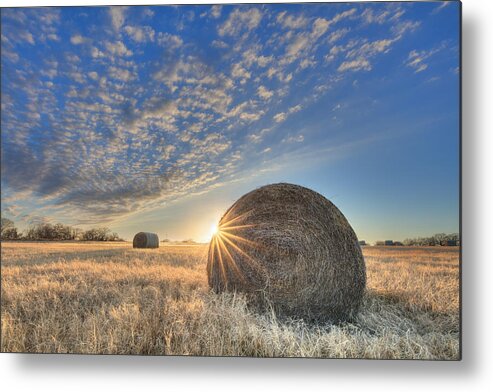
x=107, y=111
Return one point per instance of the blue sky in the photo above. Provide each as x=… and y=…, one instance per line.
x=158, y=118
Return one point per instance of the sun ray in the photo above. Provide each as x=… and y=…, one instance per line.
x=238, y=249
x=235, y=227
x=222, y=238
x=229, y=222
x=211, y=257
x=238, y=238
x=227, y=214
x=238, y=271
x=219, y=253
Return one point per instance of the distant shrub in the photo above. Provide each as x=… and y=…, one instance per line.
x=99, y=234
x=47, y=231
x=434, y=240
x=8, y=230
x=56, y=232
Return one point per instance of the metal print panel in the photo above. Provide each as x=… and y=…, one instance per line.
x=264, y=180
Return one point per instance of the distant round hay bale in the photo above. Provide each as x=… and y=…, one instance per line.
x=146, y=240
x=289, y=248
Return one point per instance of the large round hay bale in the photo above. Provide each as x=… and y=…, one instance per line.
x=146, y=240
x=289, y=248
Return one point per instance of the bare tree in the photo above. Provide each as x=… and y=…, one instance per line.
x=8, y=230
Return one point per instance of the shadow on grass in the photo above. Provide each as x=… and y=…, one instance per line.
x=98, y=256
x=423, y=318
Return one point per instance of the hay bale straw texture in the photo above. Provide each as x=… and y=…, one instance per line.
x=146, y=240
x=290, y=249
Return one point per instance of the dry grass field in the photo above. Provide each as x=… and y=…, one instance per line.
x=112, y=299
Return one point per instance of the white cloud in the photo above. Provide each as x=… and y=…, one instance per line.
x=160, y=108
x=148, y=13
x=250, y=117
x=219, y=44
x=343, y=15
x=306, y=63
x=51, y=69
x=237, y=71
x=140, y=34
x=294, y=139
x=27, y=36
x=263, y=61
x=370, y=49
x=169, y=41
x=297, y=46
x=96, y=53
x=303, y=42
x=216, y=11
x=78, y=39
x=78, y=77
x=416, y=59
x=358, y=57
x=271, y=72
x=290, y=21
x=118, y=48
x=369, y=15
x=256, y=138
x=440, y=7
x=251, y=57
x=117, y=15
x=264, y=93
x=319, y=27
x=355, y=65
x=238, y=109
x=12, y=56
x=53, y=37
x=72, y=58
x=337, y=35
x=295, y=109
x=239, y=20
x=171, y=73
x=403, y=27
x=280, y=117
x=72, y=93
x=121, y=74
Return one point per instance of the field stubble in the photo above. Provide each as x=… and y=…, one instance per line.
x=112, y=299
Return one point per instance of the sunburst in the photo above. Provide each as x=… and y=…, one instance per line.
x=225, y=238
x=214, y=230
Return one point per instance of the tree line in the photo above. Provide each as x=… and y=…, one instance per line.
x=434, y=240
x=55, y=232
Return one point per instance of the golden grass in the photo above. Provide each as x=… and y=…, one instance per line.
x=110, y=298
